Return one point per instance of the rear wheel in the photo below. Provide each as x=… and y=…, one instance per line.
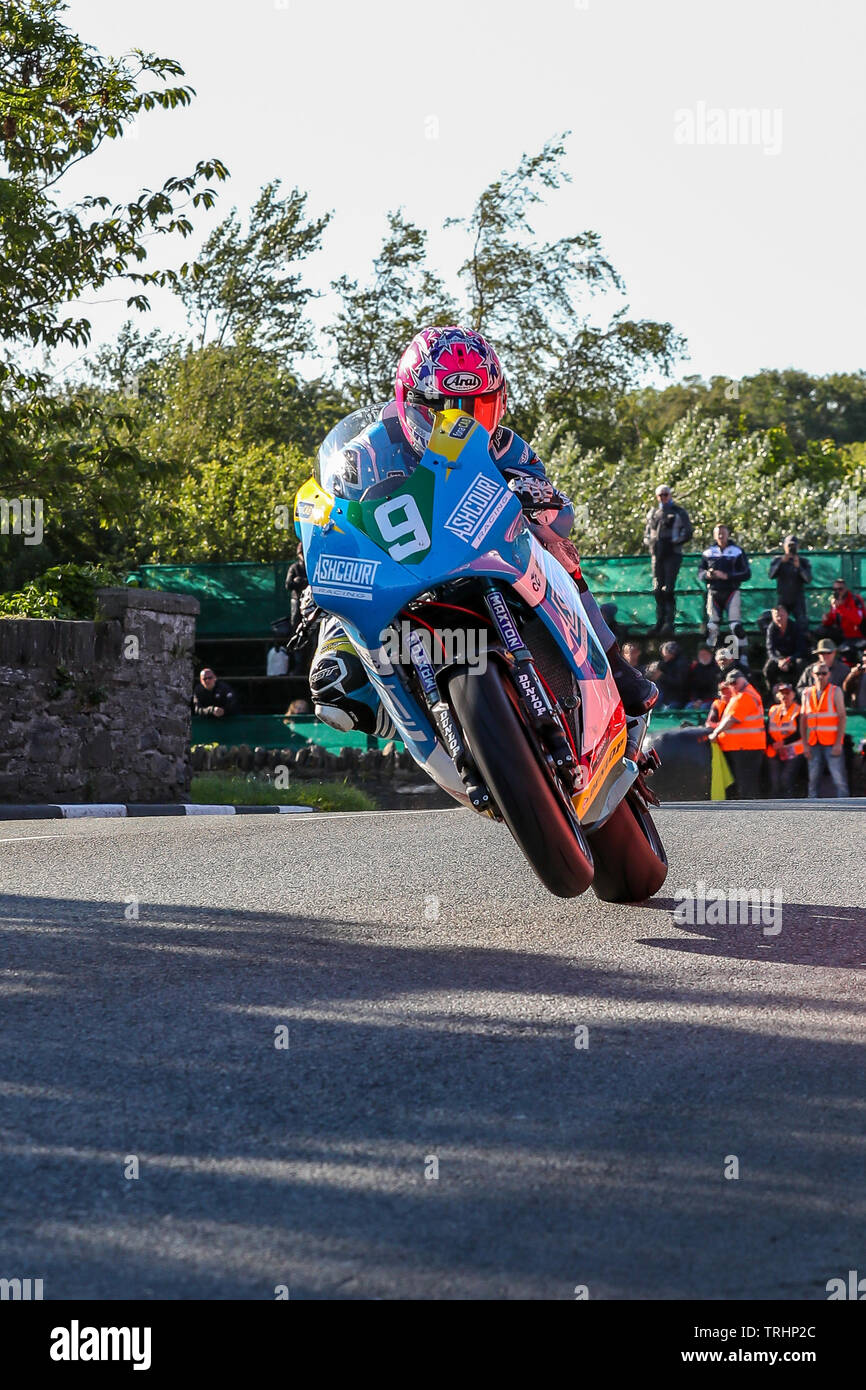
x=630, y=859
x=538, y=815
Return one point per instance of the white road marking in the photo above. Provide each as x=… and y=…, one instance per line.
x=13, y=839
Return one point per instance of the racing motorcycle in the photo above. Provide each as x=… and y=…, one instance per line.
x=478, y=646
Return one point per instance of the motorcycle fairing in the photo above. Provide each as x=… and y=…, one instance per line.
x=366, y=560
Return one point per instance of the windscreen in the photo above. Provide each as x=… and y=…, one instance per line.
x=328, y=457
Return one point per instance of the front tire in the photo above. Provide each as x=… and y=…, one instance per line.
x=511, y=765
x=630, y=859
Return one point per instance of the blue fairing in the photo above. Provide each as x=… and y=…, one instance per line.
x=476, y=527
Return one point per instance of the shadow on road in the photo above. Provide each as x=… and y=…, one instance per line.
x=558, y=1164
x=804, y=934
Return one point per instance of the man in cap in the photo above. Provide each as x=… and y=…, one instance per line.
x=740, y=735
x=784, y=744
x=826, y=652
x=822, y=731
x=667, y=530
x=792, y=572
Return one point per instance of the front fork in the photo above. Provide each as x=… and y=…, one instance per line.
x=537, y=705
x=443, y=719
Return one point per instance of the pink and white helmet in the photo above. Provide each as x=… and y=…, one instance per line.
x=448, y=368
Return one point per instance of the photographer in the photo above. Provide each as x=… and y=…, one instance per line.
x=846, y=619
x=792, y=572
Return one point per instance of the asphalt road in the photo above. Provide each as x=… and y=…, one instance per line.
x=432, y=991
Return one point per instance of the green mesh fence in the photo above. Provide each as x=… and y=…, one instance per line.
x=275, y=731
x=626, y=581
x=237, y=600
x=242, y=600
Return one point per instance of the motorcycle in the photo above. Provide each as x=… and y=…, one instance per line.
x=511, y=708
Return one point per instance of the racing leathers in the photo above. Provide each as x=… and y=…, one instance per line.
x=342, y=693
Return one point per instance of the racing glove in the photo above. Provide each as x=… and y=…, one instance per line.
x=542, y=505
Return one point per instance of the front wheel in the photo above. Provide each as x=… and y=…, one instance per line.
x=545, y=828
x=630, y=859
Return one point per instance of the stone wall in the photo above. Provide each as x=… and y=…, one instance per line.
x=99, y=711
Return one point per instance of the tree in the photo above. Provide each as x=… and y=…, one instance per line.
x=245, y=287
x=378, y=321
x=125, y=365
x=59, y=100
x=756, y=483
x=530, y=297
x=808, y=408
x=203, y=398
x=591, y=390
x=522, y=292
x=236, y=506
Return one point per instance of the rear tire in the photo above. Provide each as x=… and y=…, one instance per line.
x=630, y=859
x=503, y=749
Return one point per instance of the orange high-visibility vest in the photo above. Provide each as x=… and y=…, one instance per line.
x=781, y=728
x=748, y=730
x=822, y=721
x=717, y=708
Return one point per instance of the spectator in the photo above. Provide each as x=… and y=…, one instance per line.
x=784, y=743
x=298, y=707
x=854, y=685
x=723, y=568
x=719, y=705
x=701, y=683
x=822, y=729
x=839, y=669
x=846, y=619
x=672, y=677
x=296, y=584
x=727, y=664
x=278, y=660
x=213, y=697
x=631, y=652
x=792, y=572
x=667, y=530
x=784, y=648
x=740, y=734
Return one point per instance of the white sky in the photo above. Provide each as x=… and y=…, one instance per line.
x=757, y=258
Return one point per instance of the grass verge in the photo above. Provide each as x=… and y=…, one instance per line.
x=233, y=789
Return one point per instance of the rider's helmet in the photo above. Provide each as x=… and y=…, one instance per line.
x=448, y=368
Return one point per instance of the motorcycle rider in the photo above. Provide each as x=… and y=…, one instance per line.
x=447, y=368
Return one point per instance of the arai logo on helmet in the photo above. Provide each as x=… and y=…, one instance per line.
x=461, y=381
